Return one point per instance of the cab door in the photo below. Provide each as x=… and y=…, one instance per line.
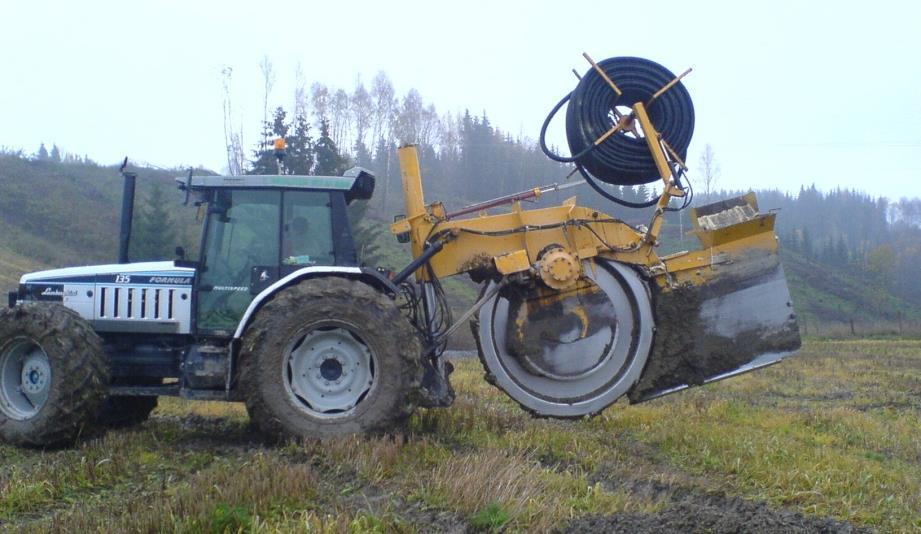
x=242, y=236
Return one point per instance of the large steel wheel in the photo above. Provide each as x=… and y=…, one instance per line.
x=53, y=375
x=329, y=356
x=578, y=356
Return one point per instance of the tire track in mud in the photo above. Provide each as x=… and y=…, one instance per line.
x=688, y=509
x=691, y=511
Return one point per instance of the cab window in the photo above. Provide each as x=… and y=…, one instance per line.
x=307, y=236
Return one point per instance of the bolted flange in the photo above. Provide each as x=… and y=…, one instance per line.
x=559, y=268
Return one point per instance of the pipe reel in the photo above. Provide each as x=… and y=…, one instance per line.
x=606, y=140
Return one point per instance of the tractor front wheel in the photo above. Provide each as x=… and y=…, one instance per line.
x=53, y=375
x=328, y=357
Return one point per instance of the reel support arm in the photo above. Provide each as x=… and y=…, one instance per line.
x=660, y=155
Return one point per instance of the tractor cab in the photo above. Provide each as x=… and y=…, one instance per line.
x=259, y=229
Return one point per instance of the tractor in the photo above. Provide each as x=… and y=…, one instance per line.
x=576, y=309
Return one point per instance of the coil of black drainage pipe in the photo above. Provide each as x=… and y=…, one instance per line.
x=622, y=159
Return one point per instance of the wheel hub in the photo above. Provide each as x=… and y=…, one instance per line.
x=331, y=368
x=329, y=371
x=35, y=373
x=25, y=379
x=559, y=269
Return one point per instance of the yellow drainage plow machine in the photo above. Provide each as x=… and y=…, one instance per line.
x=577, y=309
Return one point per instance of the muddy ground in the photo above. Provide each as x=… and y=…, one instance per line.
x=691, y=511
x=824, y=442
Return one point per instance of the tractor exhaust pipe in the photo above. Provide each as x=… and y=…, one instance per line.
x=124, y=240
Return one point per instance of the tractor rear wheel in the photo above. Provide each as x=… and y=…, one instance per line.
x=327, y=357
x=53, y=375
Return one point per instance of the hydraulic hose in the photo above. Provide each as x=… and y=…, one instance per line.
x=622, y=159
x=600, y=190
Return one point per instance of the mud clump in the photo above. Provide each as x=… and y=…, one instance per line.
x=687, y=349
x=670, y=363
x=713, y=513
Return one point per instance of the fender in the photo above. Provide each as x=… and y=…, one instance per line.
x=368, y=276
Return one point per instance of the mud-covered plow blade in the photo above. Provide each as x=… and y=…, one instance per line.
x=732, y=313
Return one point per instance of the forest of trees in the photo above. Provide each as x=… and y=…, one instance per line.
x=464, y=156
x=872, y=238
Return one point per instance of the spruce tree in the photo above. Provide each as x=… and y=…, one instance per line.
x=264, y=161
x=366, y=234
x=154, y=234
x=362, y=154
x=329, y=162
x=300, y=158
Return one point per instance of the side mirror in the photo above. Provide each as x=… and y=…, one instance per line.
x=404, y=237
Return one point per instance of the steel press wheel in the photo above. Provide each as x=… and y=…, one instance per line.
x=576, y=357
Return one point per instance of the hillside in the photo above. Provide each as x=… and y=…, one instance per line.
x=823, y=294
x=64, y=214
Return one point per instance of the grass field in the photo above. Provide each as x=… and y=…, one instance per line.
x=829, y=440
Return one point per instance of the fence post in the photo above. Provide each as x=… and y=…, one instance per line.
x=853, y=333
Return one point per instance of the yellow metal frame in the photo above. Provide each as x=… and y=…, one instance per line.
x=512, y=242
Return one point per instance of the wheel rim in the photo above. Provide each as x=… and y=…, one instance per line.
x=25, y=379
x=328, y=370
x=576, y=379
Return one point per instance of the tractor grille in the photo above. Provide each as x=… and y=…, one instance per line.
x=165, y=309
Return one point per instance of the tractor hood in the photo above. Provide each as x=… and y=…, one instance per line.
x=152, y=297
x=147, y=273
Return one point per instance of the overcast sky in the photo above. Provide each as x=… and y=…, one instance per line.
x=787, y=93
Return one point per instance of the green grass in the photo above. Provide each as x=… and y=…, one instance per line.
x=833, y=432
x=492, y=518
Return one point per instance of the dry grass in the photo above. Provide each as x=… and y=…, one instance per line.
x=533, y=497
x=12, y=266
x=226, y=495
x=832, y=432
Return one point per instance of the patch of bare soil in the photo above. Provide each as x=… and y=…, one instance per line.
x=690, y=511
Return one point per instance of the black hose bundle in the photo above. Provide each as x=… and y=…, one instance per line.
x=622, y=159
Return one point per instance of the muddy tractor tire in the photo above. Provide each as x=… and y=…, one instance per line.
x=125, y=412
x=328, y=357
x=53, y=376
